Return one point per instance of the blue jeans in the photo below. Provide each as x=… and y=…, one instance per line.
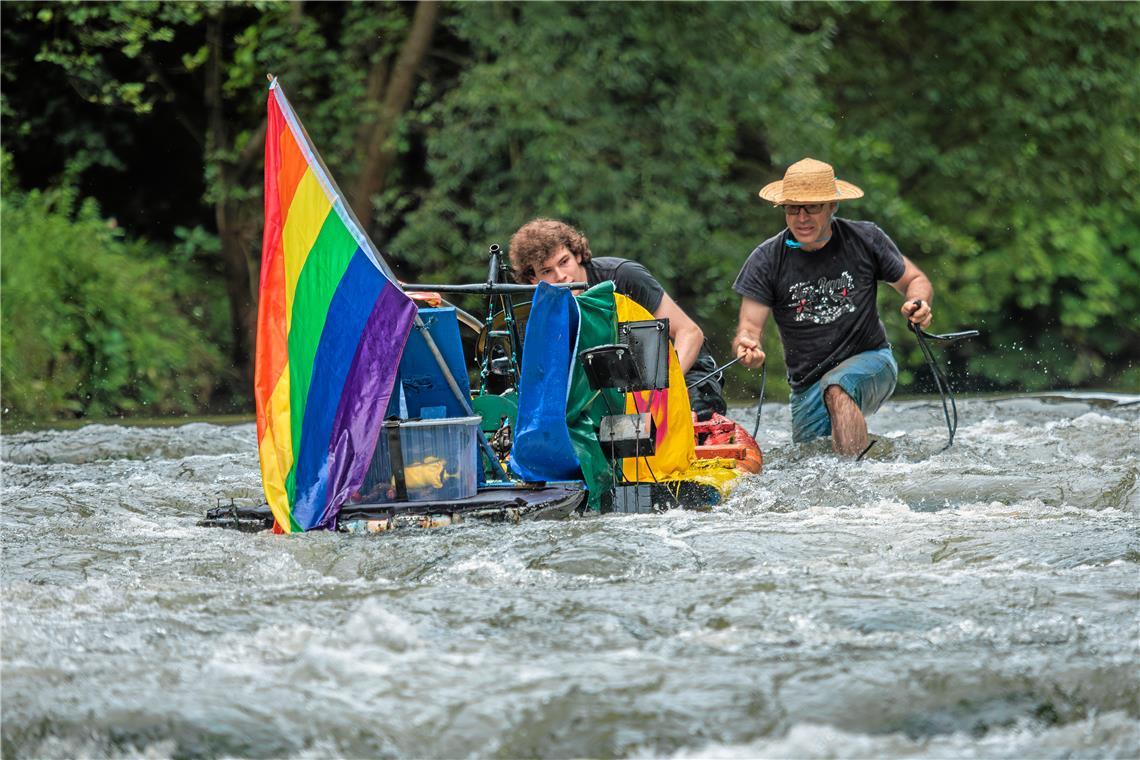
x=868, y=378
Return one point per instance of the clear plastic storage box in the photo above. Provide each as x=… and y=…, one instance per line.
x=440, y=456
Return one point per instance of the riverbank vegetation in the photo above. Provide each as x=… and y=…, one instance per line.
x=998, y=144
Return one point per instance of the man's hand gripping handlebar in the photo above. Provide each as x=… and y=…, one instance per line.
x=917, y=312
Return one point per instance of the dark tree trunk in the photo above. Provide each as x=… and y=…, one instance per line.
x=236, y=227
x=392, y=86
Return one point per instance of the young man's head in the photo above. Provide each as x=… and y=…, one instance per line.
x=546, y=250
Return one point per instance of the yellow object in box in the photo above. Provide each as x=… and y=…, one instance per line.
x=440, y=460
x=426, y=474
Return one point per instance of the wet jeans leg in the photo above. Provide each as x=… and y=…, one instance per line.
x=868, y=378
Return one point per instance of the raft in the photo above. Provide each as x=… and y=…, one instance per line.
x=499, y=504
x=453, y=451
x=723, y=448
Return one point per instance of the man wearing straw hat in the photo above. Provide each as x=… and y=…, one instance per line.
x=819, y=277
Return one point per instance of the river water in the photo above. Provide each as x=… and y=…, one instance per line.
x=978, y=602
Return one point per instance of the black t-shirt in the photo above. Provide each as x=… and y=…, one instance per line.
x=823, y=301
x=630, y=279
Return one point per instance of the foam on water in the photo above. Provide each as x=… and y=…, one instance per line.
x=975, y=602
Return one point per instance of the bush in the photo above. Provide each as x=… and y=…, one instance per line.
x=93, y=324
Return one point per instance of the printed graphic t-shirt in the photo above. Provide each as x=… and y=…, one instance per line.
x=823, y=301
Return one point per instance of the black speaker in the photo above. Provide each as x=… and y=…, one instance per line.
x=648, y=340
x=611, y=366
x=628, y=435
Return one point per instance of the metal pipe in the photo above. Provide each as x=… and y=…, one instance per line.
x=493, y=265
x=721, y=368
x=485, y=289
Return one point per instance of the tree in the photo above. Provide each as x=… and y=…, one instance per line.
x=1003, y=154
x=649, y=126
x=197, y=72
x=1006, y=157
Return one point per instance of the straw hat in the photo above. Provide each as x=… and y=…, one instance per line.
x=809, y=181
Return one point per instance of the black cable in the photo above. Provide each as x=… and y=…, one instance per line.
x=652, y=474
x=615, y=468
x=718, y=370
x=940, y=380
x=940, y=383
x=760, y=406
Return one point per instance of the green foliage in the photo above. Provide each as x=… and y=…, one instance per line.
x=93, y=325
x=1004, y=159
x=998, y=144
x=651, y=127
x=109, y=55
x=130, y=28
x=322, y=55
x=645, y=125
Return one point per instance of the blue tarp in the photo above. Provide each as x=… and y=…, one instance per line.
x=542, y=449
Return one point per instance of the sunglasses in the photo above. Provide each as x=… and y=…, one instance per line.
x=811, y=208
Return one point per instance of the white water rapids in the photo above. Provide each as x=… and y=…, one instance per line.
x=978, y=602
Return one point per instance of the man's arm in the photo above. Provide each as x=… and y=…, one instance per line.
x=687, y=337
x=915, y=286
x=749, y=329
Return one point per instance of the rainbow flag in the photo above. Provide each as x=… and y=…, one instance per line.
x=331, y=327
